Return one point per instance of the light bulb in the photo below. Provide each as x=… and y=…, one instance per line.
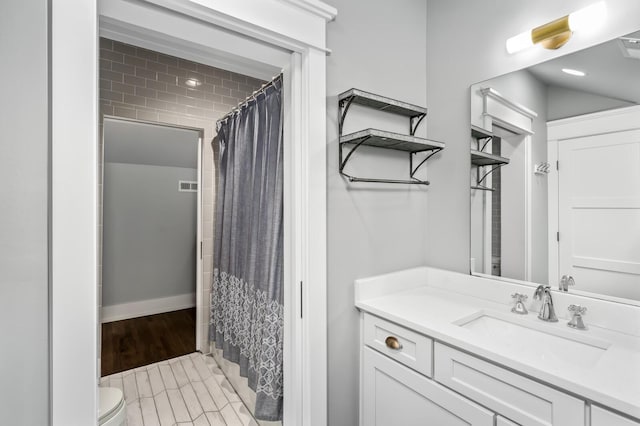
x=520, y=42
x=588, y=17
x=577, y=73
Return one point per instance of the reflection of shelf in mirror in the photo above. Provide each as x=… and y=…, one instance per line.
x=482, y=188
x=382, y=103
x=480, y=158
x=390, y=140
x=479, y=133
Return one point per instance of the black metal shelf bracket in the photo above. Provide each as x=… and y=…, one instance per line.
x=414, y=122
x=344, y=105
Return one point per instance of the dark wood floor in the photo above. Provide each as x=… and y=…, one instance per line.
x=140, y=341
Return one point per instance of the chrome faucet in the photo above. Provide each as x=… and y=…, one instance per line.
x=547, y=312
x=565, y=282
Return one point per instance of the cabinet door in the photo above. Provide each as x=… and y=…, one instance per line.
x=525, y=401
x=394, y=395
x=602, y=417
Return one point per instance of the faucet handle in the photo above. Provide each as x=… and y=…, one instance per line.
x=576, y=321
x=577, y=309
x=518, y=307
x=519, y=297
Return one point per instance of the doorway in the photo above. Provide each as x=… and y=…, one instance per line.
x=151, y=260
x=235, y=33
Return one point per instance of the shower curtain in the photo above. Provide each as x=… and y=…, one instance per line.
x=246, y=319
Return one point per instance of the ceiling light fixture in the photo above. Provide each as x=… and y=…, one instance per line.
x=577, y=73
x=555, y=34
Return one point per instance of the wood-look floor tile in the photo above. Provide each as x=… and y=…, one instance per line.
x=190, y=369
x=144, y=387
x=191, y=401
x=229, y=391
x=206, y=401
x=136, y=342
x=216, y=392
x=165, y=412
x=149, y=413
x=167, y=376
x=215, y=419
x=179, y=373
x=179, y=407
x=243, y=414
x=201, y=421
x=116, y=382
x=230, y=416
x=155, y=379
x=134, y=414
x=201, y=366
x=130, y=388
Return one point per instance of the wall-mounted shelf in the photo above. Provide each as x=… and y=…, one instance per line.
x=388, y=140
x=359, y=97
x=384, y=139
x=480, y=158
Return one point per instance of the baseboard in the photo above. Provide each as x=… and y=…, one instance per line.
x=147, y=307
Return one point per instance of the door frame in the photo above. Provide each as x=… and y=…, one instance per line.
x=294, y=25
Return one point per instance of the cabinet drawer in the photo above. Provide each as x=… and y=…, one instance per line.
x=393, y=395
x=522, y=400
x=415, y=350
x=602, y=417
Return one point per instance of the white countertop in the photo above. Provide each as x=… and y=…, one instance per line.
x=612, y=380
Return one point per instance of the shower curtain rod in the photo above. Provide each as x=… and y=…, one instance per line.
x=257, y=92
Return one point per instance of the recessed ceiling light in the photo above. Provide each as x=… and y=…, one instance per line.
x=577, y=73
x=192, y=82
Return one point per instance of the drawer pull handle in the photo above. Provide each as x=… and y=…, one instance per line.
x=392, y=343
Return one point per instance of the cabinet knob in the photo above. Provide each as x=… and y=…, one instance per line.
x=392, y=343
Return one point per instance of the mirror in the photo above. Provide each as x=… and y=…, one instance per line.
x=533, y=221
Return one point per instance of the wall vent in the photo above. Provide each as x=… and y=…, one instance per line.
x=630, y=47
x=187, y=186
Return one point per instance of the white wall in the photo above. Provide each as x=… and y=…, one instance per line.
x=465, y=45
x=149, y=242
x=378, y=46
x=563, y=103
x=24, y=168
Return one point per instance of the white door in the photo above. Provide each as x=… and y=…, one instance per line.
x=599, y=212
x=394, y=395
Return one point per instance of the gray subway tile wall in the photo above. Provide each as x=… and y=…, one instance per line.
x=141, y=84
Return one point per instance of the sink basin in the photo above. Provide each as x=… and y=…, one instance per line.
x=536, y=340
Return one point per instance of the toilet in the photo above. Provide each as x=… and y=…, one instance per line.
x=112, y=408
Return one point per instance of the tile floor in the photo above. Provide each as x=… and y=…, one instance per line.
x=188, y=390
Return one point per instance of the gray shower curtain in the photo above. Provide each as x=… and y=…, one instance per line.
x=246, y=295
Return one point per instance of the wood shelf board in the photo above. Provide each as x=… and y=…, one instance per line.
x=480, y=158
x=390, y=140
x=480, y=133
x=382, y=103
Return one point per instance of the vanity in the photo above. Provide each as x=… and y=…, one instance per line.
x=444, y=348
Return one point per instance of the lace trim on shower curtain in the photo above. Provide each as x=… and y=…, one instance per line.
x=252, y=323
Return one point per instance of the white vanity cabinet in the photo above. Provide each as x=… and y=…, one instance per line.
x=602, y=417
x=416, y=381
x=394, y=395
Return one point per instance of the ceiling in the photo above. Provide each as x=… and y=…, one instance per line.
x=150, y=144
x=609, y=72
